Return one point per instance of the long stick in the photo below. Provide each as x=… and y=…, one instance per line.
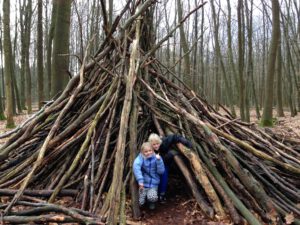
x=117, y=181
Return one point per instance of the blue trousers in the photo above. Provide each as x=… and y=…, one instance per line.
x=168, y=160
x=162, y=188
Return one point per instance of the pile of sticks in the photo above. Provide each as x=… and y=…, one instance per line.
x=83, y=144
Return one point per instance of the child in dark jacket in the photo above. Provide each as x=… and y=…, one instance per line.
x=147, y=168
x=163, y=145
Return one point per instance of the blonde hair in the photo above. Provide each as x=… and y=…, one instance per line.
x=154, y=137
x=145, y=145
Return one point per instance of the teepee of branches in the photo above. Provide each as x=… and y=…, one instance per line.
x=83, y=144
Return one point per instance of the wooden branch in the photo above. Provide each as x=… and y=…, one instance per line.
x=52, y=132
x=203, y=179
x=26, y=122
x=39, y=193
x=83, y=147
x=209, y=212
x=59, y=209
x=233, y=213
x=142, y=8
x=237, y=203
x=37, y=219
x=117, y=181
x=134, y=192
x=172, y=31
x=106, y=27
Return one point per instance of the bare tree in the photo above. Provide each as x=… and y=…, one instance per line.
x=16, y=94
x=60, y=55
x=229, y=46
x=49, y=46
x=250, y=79
x=110, y=12
x=201, y=53
x=250, y=67
x=268, y=103
x=219, y=60
x=7, y=64
x=40, y=54
x=241, y=51
x=2, y=116
x=23, y=50
x=279, y=80
x=27, y=21
x=184, y=45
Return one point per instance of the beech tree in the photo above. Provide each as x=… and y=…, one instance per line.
x=267, y=116
x=241, y=52
x=40, y=57
x=7, y=64
x=60, y=54
x=184, y=46
x=2, y=116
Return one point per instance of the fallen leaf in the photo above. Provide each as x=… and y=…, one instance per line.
x=289, y=218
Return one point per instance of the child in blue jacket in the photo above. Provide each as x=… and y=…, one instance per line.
x=163, y=146
x=147, y=168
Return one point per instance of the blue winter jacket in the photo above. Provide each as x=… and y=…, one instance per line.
x=147, y=171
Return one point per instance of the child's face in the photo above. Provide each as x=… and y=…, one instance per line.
x=155, y=145
x=147, y=151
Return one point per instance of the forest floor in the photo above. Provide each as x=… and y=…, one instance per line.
x=180, y=208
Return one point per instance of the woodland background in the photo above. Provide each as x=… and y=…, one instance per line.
x=223, y=51
x=138, y=67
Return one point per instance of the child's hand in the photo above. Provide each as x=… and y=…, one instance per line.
x=158, y=157
x=141, y=186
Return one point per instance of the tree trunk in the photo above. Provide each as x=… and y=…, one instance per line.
x=27, y=22
x=217, y=82
x=2, y=88
x=280, y=112
x=2, y=116
x=268, y=103
x=110, y=12
x=290, y=85
x=16, y=91
x=249, y=16
x=241, y=60
x=184, y=46
x=60, y=57
x=7, y=63
x=230, y=51
x=40, y=59
x=195, y=74
x=14, y=72
x=202, y=73
x=23, y=55
x=49, y=47
x=168, y=54
x=219, y=60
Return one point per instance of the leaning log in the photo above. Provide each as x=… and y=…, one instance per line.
x=39, y=193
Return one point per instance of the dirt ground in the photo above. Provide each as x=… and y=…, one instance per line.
x=180, y=208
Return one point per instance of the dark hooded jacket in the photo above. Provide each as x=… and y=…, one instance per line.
x=166, y=146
